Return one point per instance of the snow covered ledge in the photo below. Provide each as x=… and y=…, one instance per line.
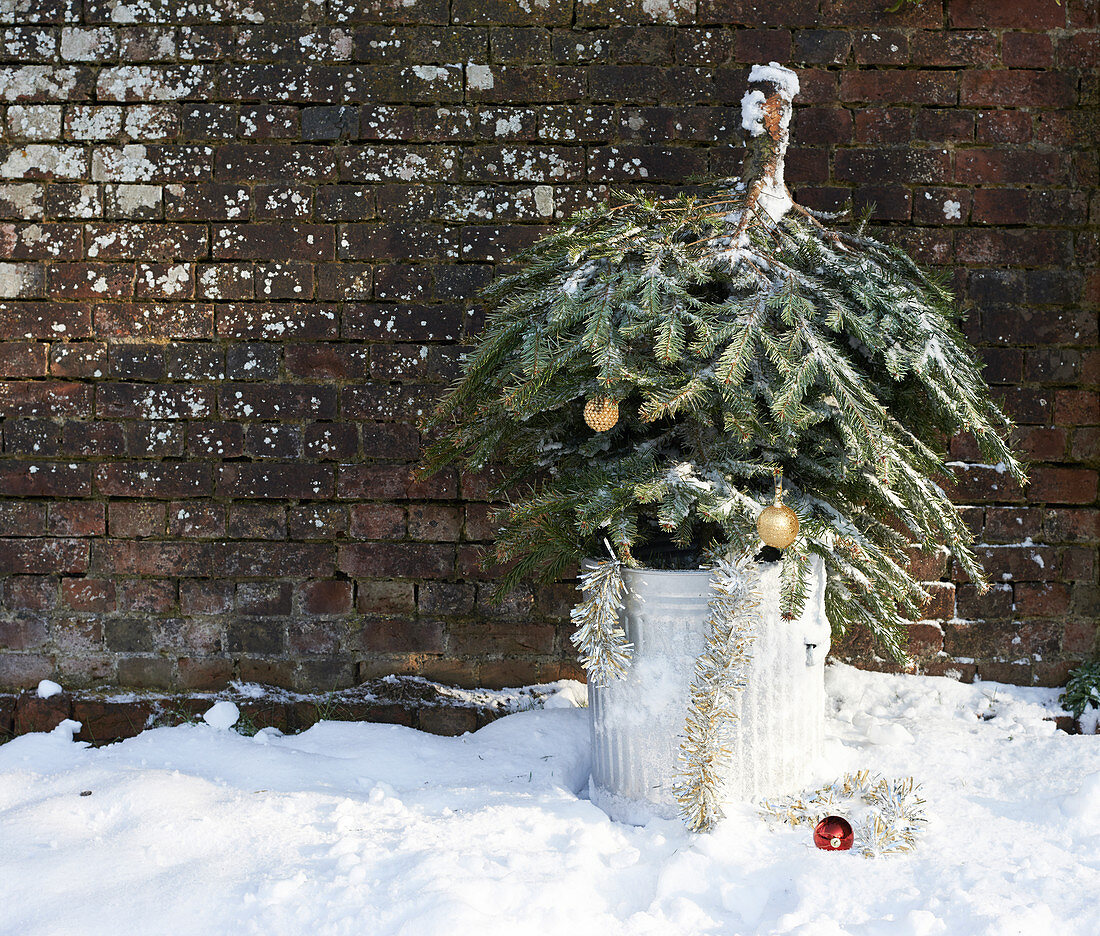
x=766, y=115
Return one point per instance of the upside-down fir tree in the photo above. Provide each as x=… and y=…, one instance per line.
x=738, y=333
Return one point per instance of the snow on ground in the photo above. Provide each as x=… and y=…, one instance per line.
x=352, y=828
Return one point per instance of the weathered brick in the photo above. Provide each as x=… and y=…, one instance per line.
x=325, y=597
x=252, y=361
x=398, y=242
x=23, y=359
x=430, y=163
x=892, y=165
x=153, y=83
x=90, y=280
x=33, y=714
x=969, y=14
x=619, y=163
x=263, y=598
x=278, y=401
x=76, y=518
x=199, y=520
x=30, y=592
x=144, y=479
x=23, y=631
x=377, y=521
x=1017, y=88
x=917, y=87
x=396, y=636
x=203, y=673
x=22, y=518
x=883, y=125
x=375, y=597
x=524, y=84
x=203, y=596
x=1027, y=50
x=272, y=440
x=316, y=522
x=41, y=242
x=275, y=320
x=435, y=523
x=273, y=241
x=252, y=163
x=219, y=201
x=397, y=560
x=23, y=200
x=105, y=721
x=45, y=479
x=306, y=482
x=160, y=401
x=1008, y=165
x=147, y=596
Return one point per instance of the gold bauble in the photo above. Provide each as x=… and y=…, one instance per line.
x=777, y=525
x=601, y=413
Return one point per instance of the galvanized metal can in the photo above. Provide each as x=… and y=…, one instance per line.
x=638, y=722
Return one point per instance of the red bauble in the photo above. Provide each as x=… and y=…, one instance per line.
x=833, y=833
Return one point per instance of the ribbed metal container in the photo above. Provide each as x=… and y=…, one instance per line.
x=638, y=722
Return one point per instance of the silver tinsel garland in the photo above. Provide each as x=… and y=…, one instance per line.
x=720, y=673
x=601, y=643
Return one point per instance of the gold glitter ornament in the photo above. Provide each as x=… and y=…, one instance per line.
x=601, y=413
x=777, y=523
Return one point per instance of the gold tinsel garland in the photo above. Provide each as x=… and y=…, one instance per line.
x=720, y=674
x=893, y=810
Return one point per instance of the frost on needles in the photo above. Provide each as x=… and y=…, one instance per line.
x=739, y=332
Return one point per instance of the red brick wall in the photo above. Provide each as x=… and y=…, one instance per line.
x=238, y=248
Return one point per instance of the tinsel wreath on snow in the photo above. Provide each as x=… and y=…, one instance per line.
x=888, y=813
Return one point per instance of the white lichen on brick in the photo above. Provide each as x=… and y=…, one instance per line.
x=150, y=83
x=19, y=280
x=87, y=45
x=544, y=200
x=479, y=77
x=332, y=45
x=122, y=164
x=86, y=203
x=668, y=11
x=431, y=72
x=34, y=121
x=506, y=126
x=22, y=200
x=94, y=122
x=12, y=41
x=151, y=121
x=35, y=82
x=58, y=162
x=171, y=283
x=121, y=12
x=129, y=200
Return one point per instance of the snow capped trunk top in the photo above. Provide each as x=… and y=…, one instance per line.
x=766, y=115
